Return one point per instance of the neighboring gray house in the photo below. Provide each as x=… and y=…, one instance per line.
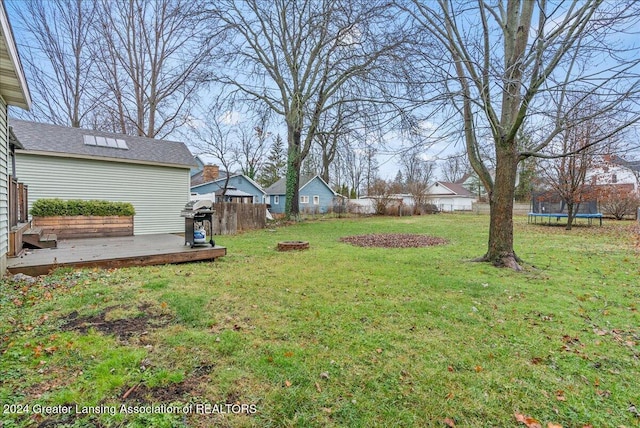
x=13, y=92
x=316, y=196
x=211, y=180
x=73, y=163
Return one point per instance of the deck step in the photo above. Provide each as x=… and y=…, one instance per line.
x=33, y=238
x=32, y=231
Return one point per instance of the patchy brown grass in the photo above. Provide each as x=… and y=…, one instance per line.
x=122, y=328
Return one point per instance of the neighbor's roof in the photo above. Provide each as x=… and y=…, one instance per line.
x=633, y=165
x=453, y=188
x=233, y=192
x=13, y=85
x=280, y=186
x=197, y=179
x=55, y=140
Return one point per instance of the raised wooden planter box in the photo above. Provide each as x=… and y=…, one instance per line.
x=70, y=227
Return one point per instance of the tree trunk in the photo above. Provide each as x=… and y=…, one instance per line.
x=294, y=162
x=292, y=206
x=500, y=251
x=570, y=215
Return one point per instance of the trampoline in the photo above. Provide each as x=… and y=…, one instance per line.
x=533, y=217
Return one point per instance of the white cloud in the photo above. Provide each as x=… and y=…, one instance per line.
x=230, y=118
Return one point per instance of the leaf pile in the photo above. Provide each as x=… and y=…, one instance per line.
x=393, y=240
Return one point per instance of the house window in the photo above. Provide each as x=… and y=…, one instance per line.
x=276, y=200
x=614, y=178
x=316, y=200
x=304, y=199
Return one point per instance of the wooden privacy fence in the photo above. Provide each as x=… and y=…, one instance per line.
x=231, y=217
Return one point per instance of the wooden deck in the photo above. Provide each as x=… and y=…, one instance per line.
x=114, y=252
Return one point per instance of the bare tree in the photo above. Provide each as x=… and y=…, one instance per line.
x=417, y=172
x=508, y=65
x=333, y=128
x=454, y=167
x=58, y=62
x=295, y=56
x=566, y=175
x=352, y=161
x=151, y=59
x=212, y=137
x=253, y=141
x=371, y=167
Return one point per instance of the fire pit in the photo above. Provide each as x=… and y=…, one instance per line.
x=293, y=245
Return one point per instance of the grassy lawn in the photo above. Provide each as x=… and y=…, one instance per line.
x=337, y=335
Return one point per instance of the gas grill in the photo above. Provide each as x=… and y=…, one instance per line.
x=198, y=223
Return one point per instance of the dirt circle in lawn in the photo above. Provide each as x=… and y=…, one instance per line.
x=394, y=240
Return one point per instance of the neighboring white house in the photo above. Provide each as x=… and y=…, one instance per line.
x=613, y=170
x=13, y=92
x=367, y=204
x=73, y=163
x=450, y=196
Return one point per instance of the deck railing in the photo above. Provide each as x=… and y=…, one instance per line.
x=18, y=202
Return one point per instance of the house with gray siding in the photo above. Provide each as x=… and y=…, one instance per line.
x=13, y=92
x=316, y=196
x=73, y=163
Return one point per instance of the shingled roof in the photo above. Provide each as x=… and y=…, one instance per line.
x=280, y=186
x=65, y=141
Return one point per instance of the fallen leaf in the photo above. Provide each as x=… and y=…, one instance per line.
x=379, y=351
x=449, y=396
x=288, y=354
x=599, y=332
x=287, y=383
x=560, y=396
x=552, y=425
x=450, y=368
x=318, y=387
x=528, y=421
x=449, y=422
x=478, y=369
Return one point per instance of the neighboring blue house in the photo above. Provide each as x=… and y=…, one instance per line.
x=315, y=195
x=239, y=185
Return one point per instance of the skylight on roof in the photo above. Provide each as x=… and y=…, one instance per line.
x=116, y=143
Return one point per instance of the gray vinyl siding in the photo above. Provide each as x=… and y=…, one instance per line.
x=158, y=193
x=4, y=187
x=277, y=208
x=316, y=187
